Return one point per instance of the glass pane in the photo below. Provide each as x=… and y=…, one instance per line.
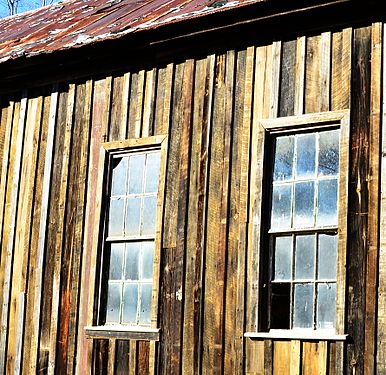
x=136, y=168
x=326, y=306
x=147, y=260
x=117, y=206
x=305, y=257
x=149, y=215
x=303, y=306
x=304, y=204
x=281, y=206
x=132, y=261
x=328, y=245
x=328, y=153
x=113, y=302
x=152, y=172
x=305, y=161
x=283, y=256
x=284, y=154
x=280, y=306
x=145, y=304
x=130, y=303
x=327, y=202
x=116, y=261
x=133, y=216
x=119, y=176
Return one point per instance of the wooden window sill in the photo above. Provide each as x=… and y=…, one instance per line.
x=122, y=332
x=296, y=335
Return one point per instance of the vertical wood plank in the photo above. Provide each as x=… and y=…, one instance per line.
x=310, y=360
x=8, y=238
x=201, y=131
x=149, y=102
x=341, y=69
x=99, y=130
x=143, y=357
x=281, y=357
x=22, y=235
x=288, y=78
x=117, y=108
x=373, y=208
x=358, y=192
x=317, y=90
x=300, y=75
x=296, y=357
x=136, y=104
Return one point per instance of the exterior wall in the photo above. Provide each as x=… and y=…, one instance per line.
x=50, y=149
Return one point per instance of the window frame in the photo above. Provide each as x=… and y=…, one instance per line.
x=259, y=252
x=119, y=330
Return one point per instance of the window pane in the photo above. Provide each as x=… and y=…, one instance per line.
x=137, y=167
x=130, y=303
x=327, y=202
x=280, y=306
x=119, y=176
x=149, y=215
x=133, y=216
x=152, y=172
x=303, y=306
x=283, y=158
x=328, y=245
x=328, y=153
x=283, y=256
x=147, y=260
x=132, y=261
x=304, y=204
x=281, y=206
x=145, y=304
x=113, y=302
x=326, y=306
x=116, y=216
x=305, y=163
x=305, y=257
x=116, y=261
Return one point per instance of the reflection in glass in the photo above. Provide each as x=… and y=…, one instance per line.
x=130, y=303
x=305, y=257
x=119, y=176
x=281, y=206
x=116, y=261
x=328, y=245
x=283, y=256
x=132, y=260
x=117, y=206
x=304, y=204
x=149, y=215
x=136, y=168
x=113, y=303
x=145, y=304
x=305, y=161
x=327, y=202
x=326, y=306
x=328, y=153
x=147, y=259
x=152, y=172
x=303, y=306
x=133, y=216
x=284, y=155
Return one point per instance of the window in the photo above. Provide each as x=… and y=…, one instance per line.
x=303, y=230
x=299, y=227
x=133, y=189
x=131, y=235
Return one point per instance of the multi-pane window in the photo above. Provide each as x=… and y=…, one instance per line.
x=303, y=233
x=131, y=236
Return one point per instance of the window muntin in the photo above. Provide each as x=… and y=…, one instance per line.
x=131, y=236
x=303, y=230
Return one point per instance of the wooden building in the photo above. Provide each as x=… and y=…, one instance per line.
x=193, y=187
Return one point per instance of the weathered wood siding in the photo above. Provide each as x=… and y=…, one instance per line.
x=50, y=143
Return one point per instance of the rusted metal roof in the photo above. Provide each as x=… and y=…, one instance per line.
x=74, y=23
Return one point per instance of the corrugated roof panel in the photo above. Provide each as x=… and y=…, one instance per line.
x=80, y=22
